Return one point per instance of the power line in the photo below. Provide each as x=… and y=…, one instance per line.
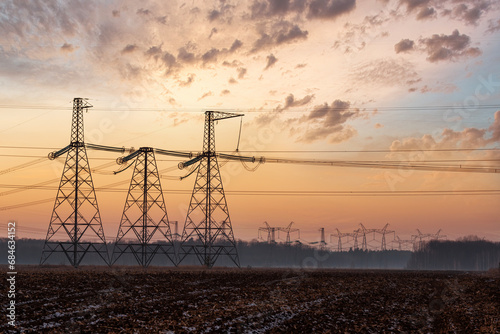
x=260, y=110
x=307, y=151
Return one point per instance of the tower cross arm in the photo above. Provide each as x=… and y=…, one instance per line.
x=220, y=115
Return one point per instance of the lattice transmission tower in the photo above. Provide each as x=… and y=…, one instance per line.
x=75, y=227
x=208, y=231
x=144, y=227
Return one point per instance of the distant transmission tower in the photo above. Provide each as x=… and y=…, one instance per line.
x=75, y=227
x=144, y=228
x=208, y=232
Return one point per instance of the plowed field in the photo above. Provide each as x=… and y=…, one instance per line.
x=190, y=300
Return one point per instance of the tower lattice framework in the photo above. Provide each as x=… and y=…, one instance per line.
x=144, y=227
x=208, y=231
x=75, y=227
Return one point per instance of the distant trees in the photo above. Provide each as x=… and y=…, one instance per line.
x=467, y=253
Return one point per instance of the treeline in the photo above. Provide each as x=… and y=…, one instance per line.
x=251, y=254
x=470, y=253
x=466, y=254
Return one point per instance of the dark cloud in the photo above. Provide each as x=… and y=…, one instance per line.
x=426, y=13
x=210, y=56
x=223, y=13
x=448, y=47
x=169, y=61
x=235, y=46
x=185, y=56
x=154, y=51
x=329, y=9
x=301, y=65
x=115, y=13
x=404, y=45
x=413, y=4
x=143, y=12
x=281, y=33
x=268, y=8
x=234, y=63
x=129, y=48
x=67, y=48
x=241, y=72
x=469, y=13
x=212, y=32
x=271, y=60
x=161, y=19
x=232, y=80
x=291, y=102
x=213, y=15
x=225, y=92
x=327, y=122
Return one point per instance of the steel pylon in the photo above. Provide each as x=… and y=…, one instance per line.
x=75, y=227
x=144, y=227
x=208, y=231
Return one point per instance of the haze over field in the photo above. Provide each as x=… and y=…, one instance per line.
x=405, y=80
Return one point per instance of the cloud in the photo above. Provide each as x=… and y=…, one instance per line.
x=271, y=60
x=225, y=92
x=355, y=37
x=468, y=138
x=129, y=49
x=493, y=26
x=210, y=56
x=414, y=4
x=470, y=13
x=232, y=80
x=426, y=13
x=446, y=88
x=234, y=63
x=213, y=15
x=143, y=12
x=235, y=46
x=329, y=9
x=495, y=129
x=241, y=72
x=115, y=13
x=67, y=48
x=378, y=126
x=327, y=122
x=404, y=45
x=186, y=56
x=188, y=81
x=154, y=51
x=313, y=9
x=290, y=102
x=207, y=94
x=281, y=33
x=386, y=72
x=448, y=47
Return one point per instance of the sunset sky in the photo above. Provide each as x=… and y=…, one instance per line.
x=405, y=80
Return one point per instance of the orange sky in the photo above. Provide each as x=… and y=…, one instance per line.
x=384, y=76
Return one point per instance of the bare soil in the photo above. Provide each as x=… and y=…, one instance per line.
x=193, y=300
